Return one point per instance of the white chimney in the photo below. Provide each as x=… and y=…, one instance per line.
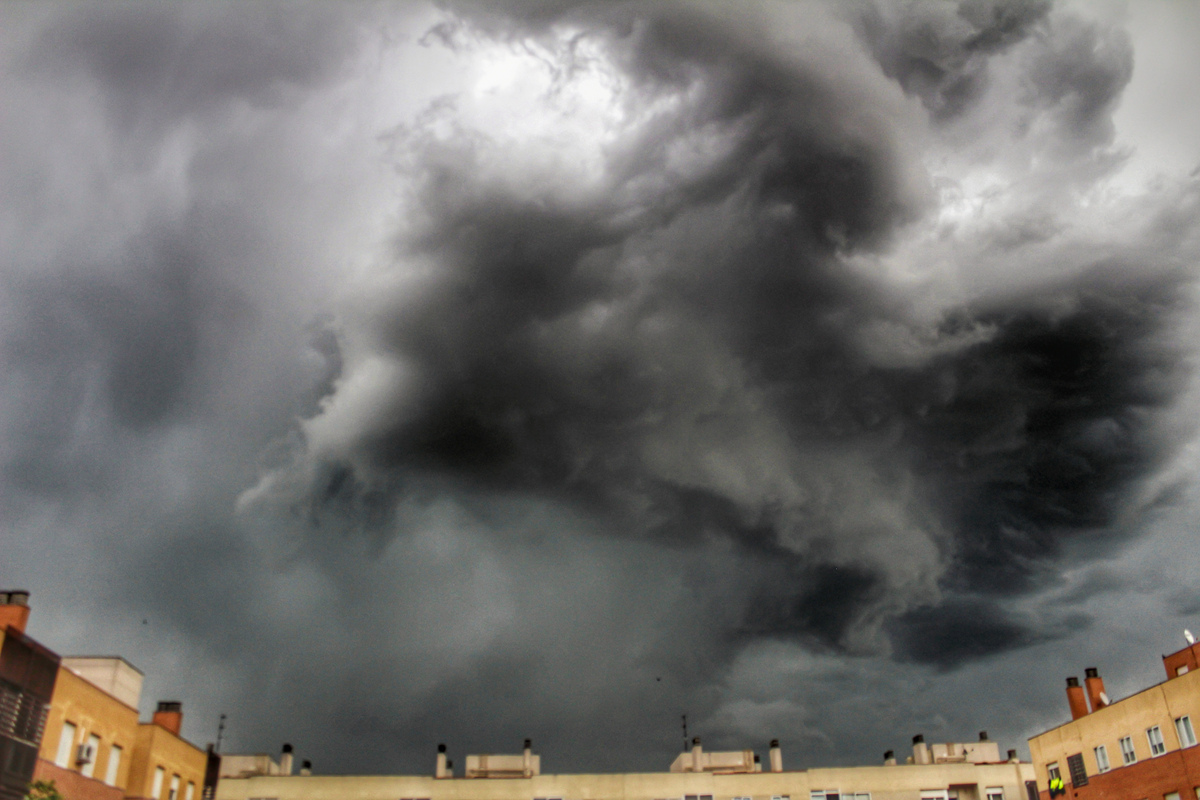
x=776, y=756
x=697, y=756
x=285, y=760
x=527, y=758
x=439, y=771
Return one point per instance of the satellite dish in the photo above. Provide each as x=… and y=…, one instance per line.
x=1103, y=699
x=1188, y=635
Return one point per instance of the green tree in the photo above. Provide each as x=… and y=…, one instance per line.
x=43, y=790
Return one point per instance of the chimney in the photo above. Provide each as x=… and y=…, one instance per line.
x=776, y=756
x=921, y=750
x=1075, y=698
x=439, y=771
x=697, y=758
x=169, y=715
x=1095, y=687
x=14, y=609
x=449, y=769
x=757, y=763
x=1012, y=757
x=983, y=736
x=306, y=768
x=285, y=760
x=889, y=758
x=527, y=758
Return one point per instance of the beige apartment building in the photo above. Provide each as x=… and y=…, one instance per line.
x=953, y=771
x=1141, y=747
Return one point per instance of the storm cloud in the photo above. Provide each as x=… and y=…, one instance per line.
x=479, y=371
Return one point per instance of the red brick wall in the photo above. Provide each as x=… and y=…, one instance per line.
x=1152, y=779
x=74, y=786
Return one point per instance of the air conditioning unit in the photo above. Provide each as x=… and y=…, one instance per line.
x=86, y=754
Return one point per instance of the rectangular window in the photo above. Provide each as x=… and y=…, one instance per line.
x=66, y=744
x=1187, y=736
x=935, y=794
x=1102, y=764
x=1128, y=756
x=114, y=764
x=87, y=762
x=1031, y=791
x=1154, y=737
x=174, y=795
x=156, y=789
x=190, y=792
x=826, y=794
x=994, y=793
x=1079, y=776
x=1171, y=796
x=1052, y=771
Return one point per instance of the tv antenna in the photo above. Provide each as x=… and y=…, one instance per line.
x=220, y=733
x=685, y=736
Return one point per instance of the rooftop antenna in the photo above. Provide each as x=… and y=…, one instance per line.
x=685, y=736
x=1188, y=635
x=220, y=733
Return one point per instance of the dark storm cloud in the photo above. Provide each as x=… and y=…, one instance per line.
x=695, y=363
x=939, y=51
x=158, y=63
x=675, y=383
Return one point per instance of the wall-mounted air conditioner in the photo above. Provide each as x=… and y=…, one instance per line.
x=86, y=754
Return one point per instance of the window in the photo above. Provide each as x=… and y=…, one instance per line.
x=935, y=794
x=66, y=743
x=174, y=795
x=825, y=794
x=1154, y=736
x=781, y=797
x=1171, y=796
x=88, y=767
x=156, y=792
x=1187, y=736
x=1128, y=756
x=1052, y=771
x=114, y=764
x=1102, y=764
x=994, y=793
x=1079, y=776
x=1031, y=791
x=191, y=791
x=697, y=797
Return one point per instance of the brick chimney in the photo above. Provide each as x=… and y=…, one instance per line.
x=1075, y=698
x=14, y=609
x=169, y=715
x=1095, y=688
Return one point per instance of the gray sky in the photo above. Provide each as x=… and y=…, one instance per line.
x=384, y=375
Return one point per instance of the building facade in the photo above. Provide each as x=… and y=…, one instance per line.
x=1141, y=747
x=696, y=775
x=74, y=721
x=27, y=680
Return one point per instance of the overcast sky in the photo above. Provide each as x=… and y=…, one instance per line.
x=384, y=375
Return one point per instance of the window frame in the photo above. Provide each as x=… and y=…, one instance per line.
x=66, y=746
x=993, y=792
x=1128, y=756
x=112, y=769
x=1102, y=764
x=1182, y=725
x=1052, y=771
x=156, y=787
x=1156, y=748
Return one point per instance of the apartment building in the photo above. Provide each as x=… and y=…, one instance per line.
x=1141, y=747
x=81, y=727
x=27, y=676
x=952, y=771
